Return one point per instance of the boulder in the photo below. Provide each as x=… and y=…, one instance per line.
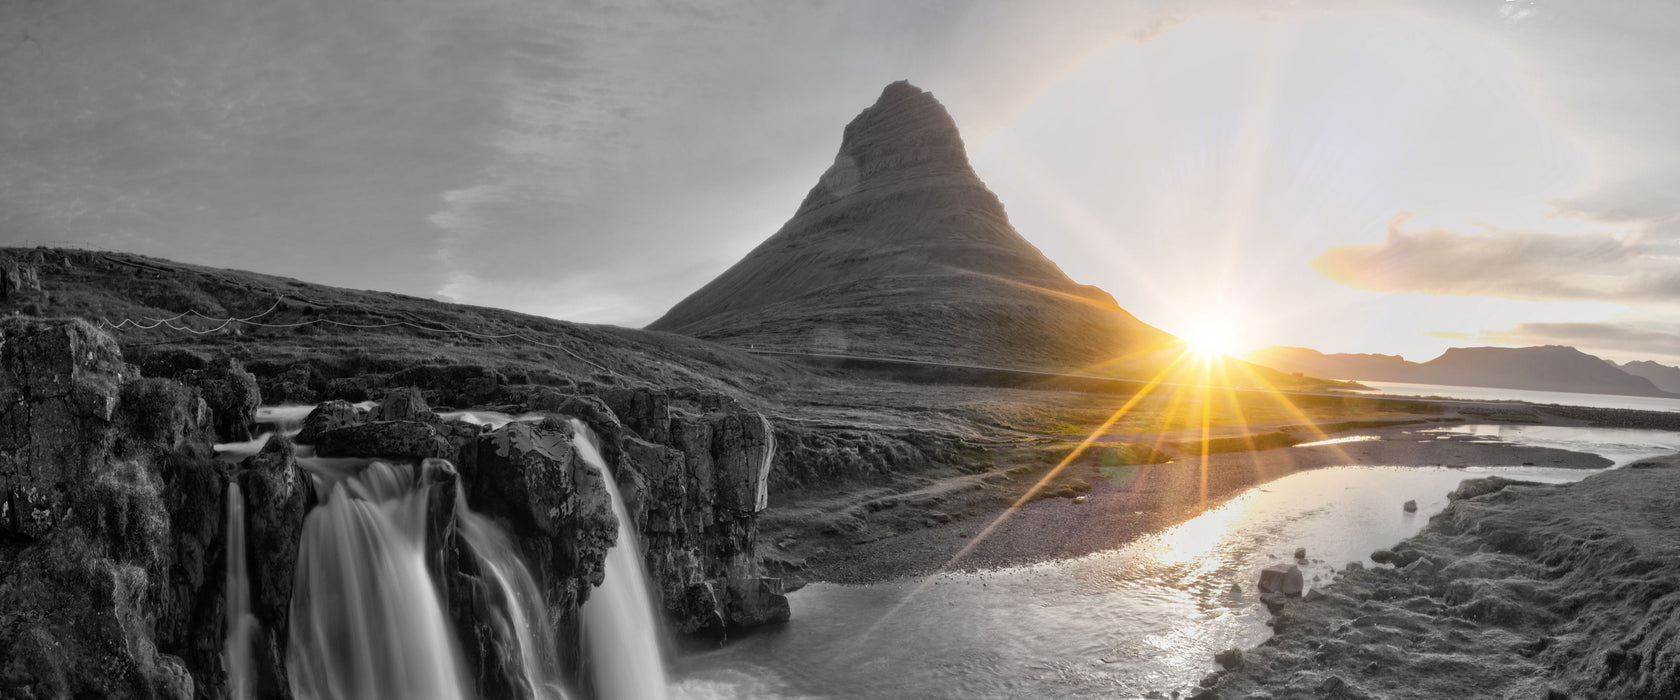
x=404, y=404
x=392, y=439
x=1229, y=659
x=232, y=395
x=328, y=416
x=1409, y=506
x=1282, y=579
x=1300, y=552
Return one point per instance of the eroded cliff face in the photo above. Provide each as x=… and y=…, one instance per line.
x=113, y=510
x=109, y=524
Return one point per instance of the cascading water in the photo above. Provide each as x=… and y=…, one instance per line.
x=519, y=618
x=241, y=624
x=366, y=618
x=619, y=628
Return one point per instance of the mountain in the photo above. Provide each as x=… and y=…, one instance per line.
x=901, y=251
x=1665, y=377
x=1541, y=368
x=1379, y=368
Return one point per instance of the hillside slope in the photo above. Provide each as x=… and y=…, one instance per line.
x=900, y=250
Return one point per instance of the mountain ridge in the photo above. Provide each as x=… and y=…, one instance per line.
x=1538, y=368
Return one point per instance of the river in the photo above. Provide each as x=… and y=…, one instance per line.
x=1142, y=619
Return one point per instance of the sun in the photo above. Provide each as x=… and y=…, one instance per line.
x=1209, y=339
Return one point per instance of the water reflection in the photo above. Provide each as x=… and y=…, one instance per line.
x=1146, y=617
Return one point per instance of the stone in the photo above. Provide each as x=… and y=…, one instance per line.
x=1409, y=506
x=403, y=404
x=1355, y=566
x=1301, y=553
x=232, y=394
x=1230, y=659
x=1079, y=499
x=1382, y=556
x=1282, y=579
x=1419, y=568
x=329, y=415
x=392, y=439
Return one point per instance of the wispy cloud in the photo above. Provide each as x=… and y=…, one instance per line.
x=1515, y=264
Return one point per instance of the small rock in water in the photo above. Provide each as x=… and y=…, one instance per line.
x=1236, y=589
x=1230, y=658
x=1281, y=578
x=1300, y=552
x=1410, y=506
x=1382, y=556
x=1078, y=499
x=1355, y=566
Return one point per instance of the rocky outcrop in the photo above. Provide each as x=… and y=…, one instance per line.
x=109, y=535
x=1515, y=590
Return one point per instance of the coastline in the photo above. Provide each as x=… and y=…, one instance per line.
x=1518, y=590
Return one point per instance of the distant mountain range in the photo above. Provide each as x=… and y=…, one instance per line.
x=1541, y=368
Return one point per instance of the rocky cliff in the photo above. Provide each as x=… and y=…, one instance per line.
x=113, y=515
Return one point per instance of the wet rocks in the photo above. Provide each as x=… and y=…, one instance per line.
x=327, y=416
x=393, y=439
x=1409, y=506
x=1281, y=579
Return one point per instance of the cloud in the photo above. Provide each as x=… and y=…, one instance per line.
x=1509, y=263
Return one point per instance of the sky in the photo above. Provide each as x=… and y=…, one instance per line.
x=1352, y=176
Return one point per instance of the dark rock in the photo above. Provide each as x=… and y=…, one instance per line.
x=1283, y=579
x=393, y=439
x=643, y=410
x=452, y=384
x=1382, y=556
x=1409, y=506
x=403, y=404
x=1230, y=658
x=1300, y=552
x=18, y=280
x=757, y=601
x=327, y=416
x=60, y=382
x=232, y=395
x=110, y=511
x=277, y=497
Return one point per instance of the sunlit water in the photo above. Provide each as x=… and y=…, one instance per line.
x=1147, y=617
x=1565, y=398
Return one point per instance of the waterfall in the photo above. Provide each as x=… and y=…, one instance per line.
x=619, y=627
x=522, y=619
x=241, y=624
x=366, y=618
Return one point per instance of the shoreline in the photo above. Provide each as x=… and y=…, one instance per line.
x=1515, y=590
x=1127, y=502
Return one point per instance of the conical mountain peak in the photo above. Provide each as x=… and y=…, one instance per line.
x=900, y=250
x=906, y=134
